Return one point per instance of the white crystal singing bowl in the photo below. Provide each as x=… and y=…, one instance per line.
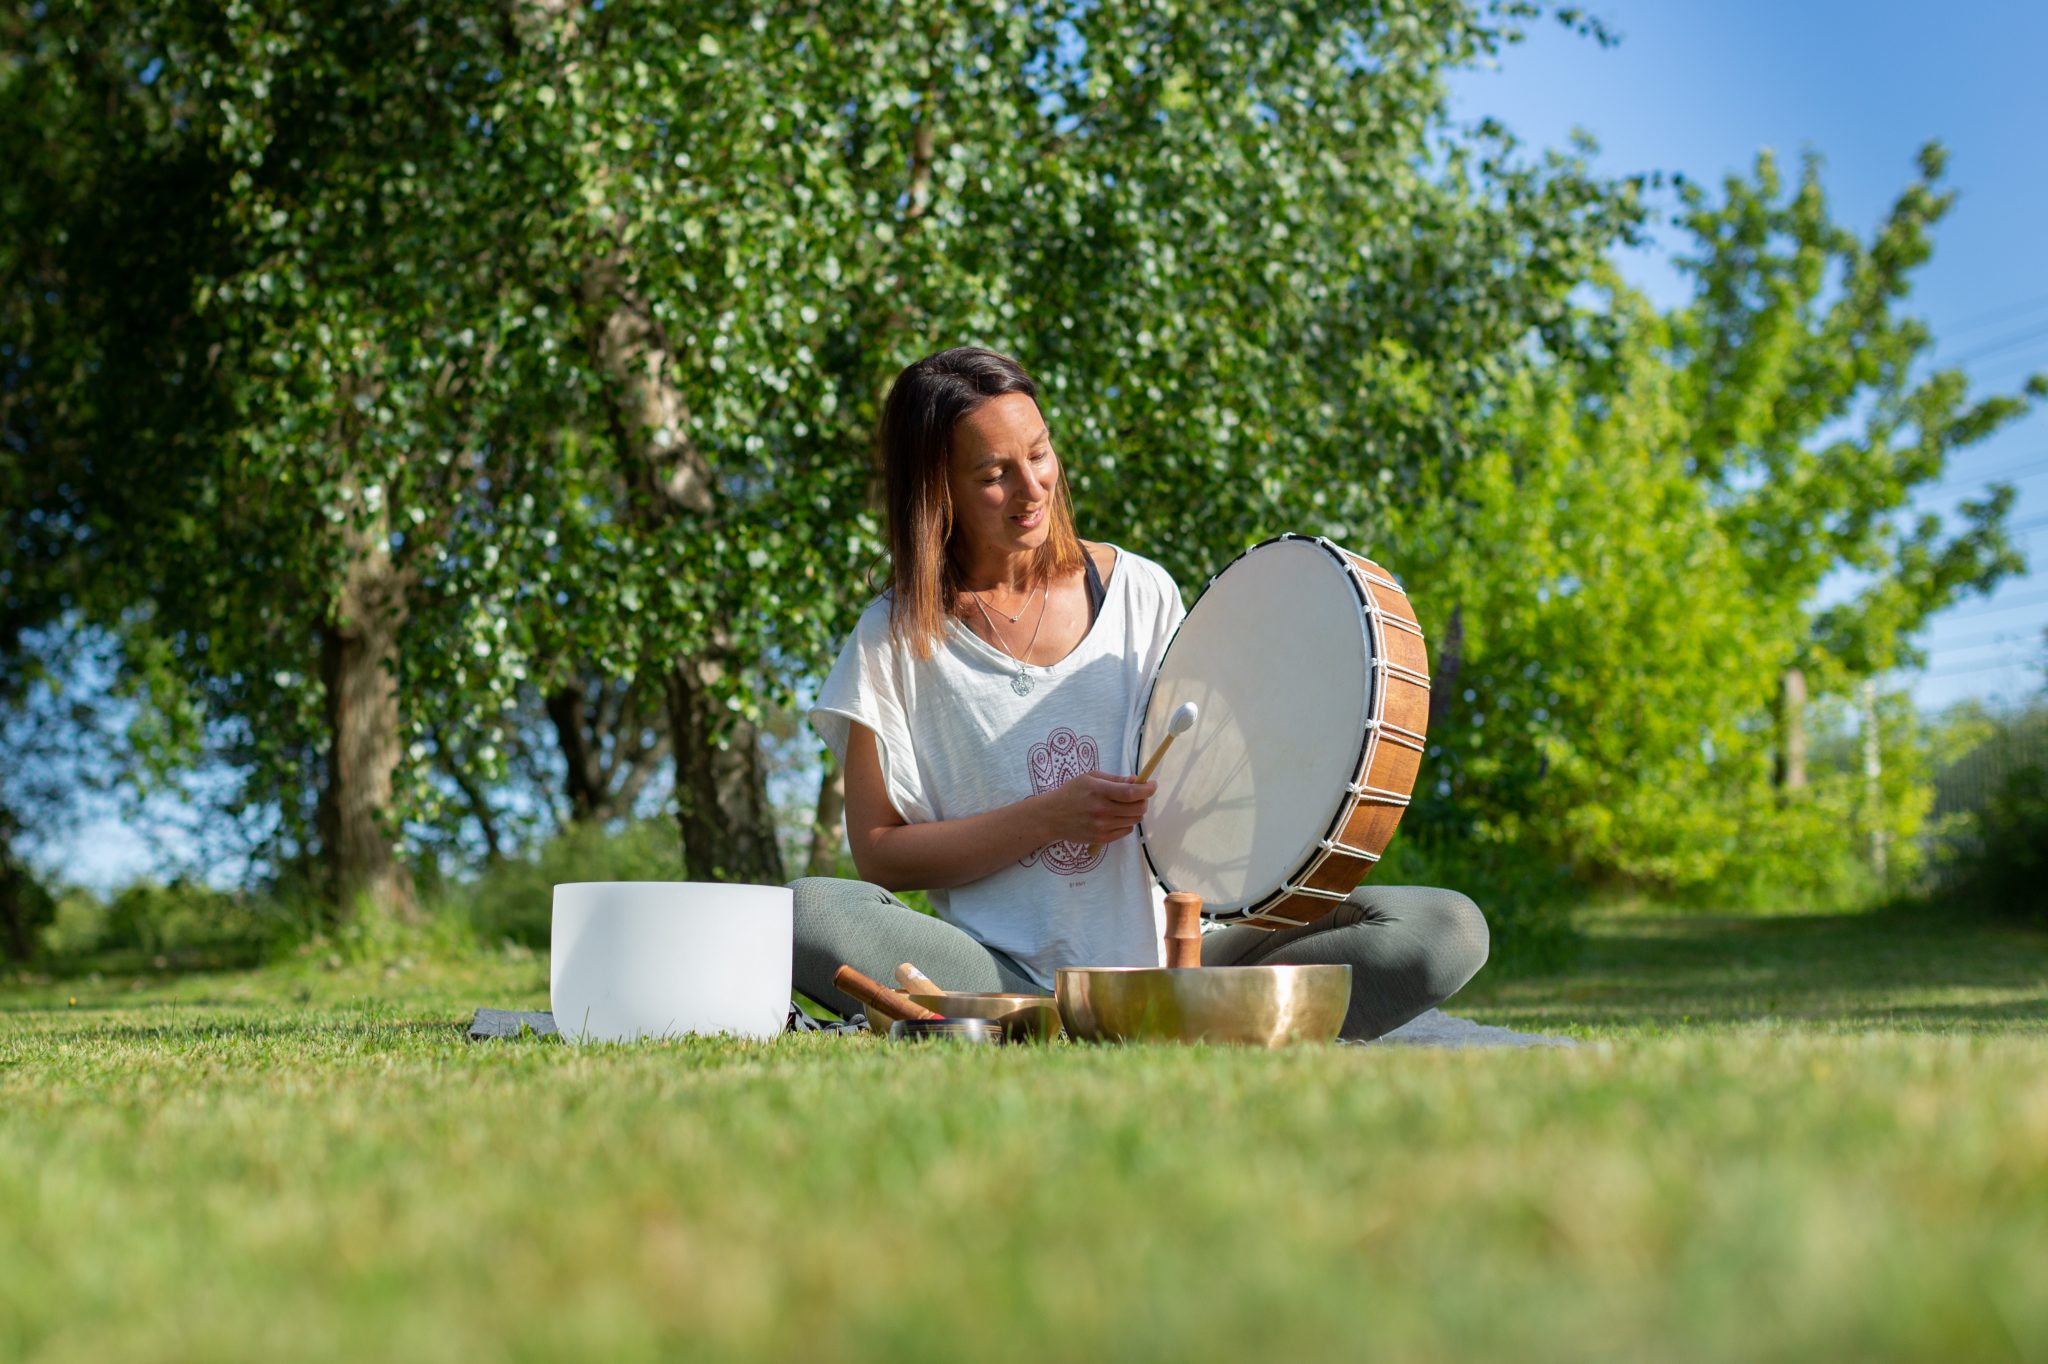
x=635, y=959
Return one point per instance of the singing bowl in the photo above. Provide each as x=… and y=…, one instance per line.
x=638, y=959
x=1025, y=1018
x=1260, y=1006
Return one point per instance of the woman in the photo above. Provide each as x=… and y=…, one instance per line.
x=983, y=710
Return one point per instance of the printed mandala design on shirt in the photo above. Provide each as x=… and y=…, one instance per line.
x=1063, y=756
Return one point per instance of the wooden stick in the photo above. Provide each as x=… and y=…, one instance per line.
x=1144, y=774
x=893, y=1004
x=1183, y=929
x=1151, y=763
x=916, y=982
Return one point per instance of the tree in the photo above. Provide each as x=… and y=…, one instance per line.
x=1636, y=569
x=547, y=342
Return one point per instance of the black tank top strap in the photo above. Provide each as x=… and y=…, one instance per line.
x=1095, y=589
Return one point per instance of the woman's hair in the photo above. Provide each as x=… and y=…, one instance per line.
x=916, y=445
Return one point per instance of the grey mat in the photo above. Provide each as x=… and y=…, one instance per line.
x=510, y=1023
x=1438, y=1029
x=1433, y=1029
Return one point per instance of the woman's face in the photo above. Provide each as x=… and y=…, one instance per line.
x=1002, y=476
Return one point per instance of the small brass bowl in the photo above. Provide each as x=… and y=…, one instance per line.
x=1025, y=1018
x=1261, y=1006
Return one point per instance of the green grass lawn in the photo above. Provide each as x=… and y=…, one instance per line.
x=1797, y=1139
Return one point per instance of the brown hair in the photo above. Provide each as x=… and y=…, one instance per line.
x=915, y=439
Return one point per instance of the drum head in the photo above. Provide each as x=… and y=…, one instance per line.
x=1277, y=653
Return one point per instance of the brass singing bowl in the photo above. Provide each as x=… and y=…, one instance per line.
x=1032, y=1018
x=1260, y=1006
x=1025, y=1018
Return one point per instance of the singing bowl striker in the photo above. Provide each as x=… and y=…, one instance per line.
x=1261, y=1006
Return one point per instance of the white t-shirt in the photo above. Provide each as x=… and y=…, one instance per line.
x=955, y=739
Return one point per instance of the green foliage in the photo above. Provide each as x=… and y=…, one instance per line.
x=1616, y=586
x=1811, y=418
x=1529, y=903
x=2003, y=868
x=504, y=344
x=180, y=924
x=513, y=900
x=568, y=327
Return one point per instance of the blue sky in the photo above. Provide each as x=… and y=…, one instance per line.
x=1700, y=88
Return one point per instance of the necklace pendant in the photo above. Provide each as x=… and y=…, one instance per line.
x=1021, y=685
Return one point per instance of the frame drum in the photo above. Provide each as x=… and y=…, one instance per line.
x=1313, y=681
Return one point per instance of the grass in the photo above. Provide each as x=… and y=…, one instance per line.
x=1797, y=1139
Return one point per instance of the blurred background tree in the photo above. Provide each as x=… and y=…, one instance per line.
x=457, y=420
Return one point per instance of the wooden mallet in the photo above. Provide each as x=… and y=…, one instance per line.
x=1184, y=717
x=916, y=982
x=891, y=1004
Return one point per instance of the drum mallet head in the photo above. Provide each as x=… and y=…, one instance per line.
x=1184, y=717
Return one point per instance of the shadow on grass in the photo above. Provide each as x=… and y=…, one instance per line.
x=1874, y=970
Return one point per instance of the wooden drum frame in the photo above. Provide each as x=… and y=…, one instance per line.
x=1368, y=808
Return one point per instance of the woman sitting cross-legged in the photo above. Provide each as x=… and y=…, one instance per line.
x=975, y=709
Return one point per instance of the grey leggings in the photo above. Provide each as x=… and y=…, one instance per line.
x=1409, y=947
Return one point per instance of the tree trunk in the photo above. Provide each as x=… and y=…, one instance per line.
x=722, y=808
x=20, y=911
x=1450, y=657
x=1791, y=765
x=585, y=784
x=479, y=808
x=604, y=737
x=1873, y=783
x=828, y=826
x=358, y=669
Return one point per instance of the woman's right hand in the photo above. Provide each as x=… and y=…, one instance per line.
x=1095, y=807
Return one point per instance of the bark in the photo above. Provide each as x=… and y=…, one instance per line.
x=358, y=669
x=1791, y=764
x=480, y=808
x=583, y=784
x=1450, y=658
x=1873, y=782
x=828, y=826
x=22, y=909
x=722, y=808
x=603, y=736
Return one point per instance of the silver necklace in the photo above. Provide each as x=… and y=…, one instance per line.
x=1021, y=683
x=1004, y=614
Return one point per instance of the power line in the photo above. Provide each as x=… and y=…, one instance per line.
x=2011, y=634
x=2014, y=471
x=2024, y=468
x=1982, y=667
x=2004, y=313
x=2019, y=473
x=2004, y=343
x=2005, y=369
x=1948, y=656
x=1994, y=607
